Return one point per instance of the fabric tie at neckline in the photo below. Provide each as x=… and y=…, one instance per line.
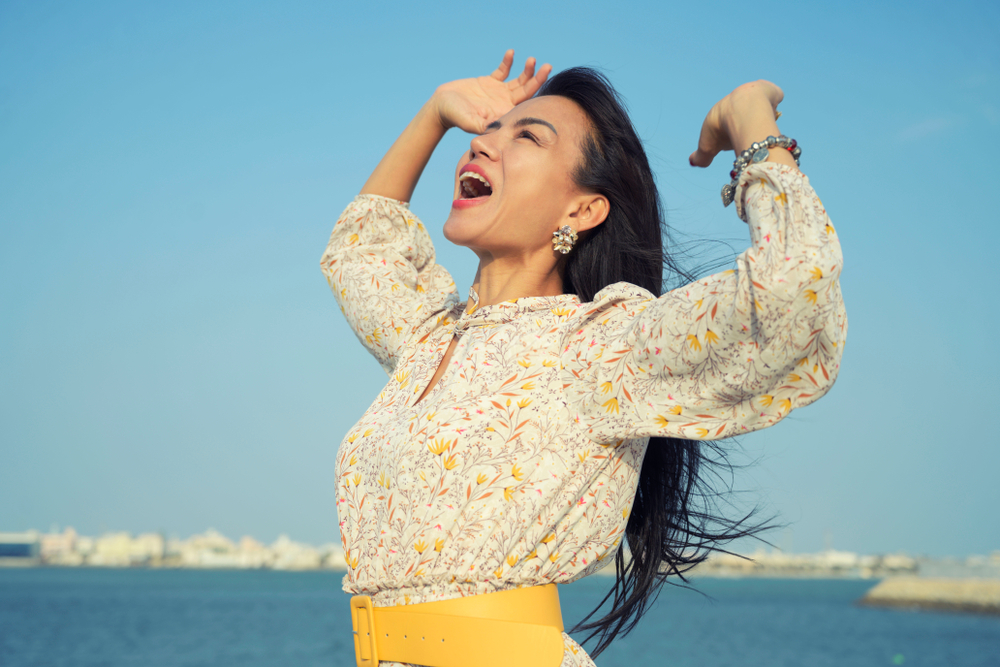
x=508, y=311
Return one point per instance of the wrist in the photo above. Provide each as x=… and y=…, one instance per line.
x=750, y=118
x=785, y=150
x=432, y=116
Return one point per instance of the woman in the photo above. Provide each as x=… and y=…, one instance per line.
x=523, y=433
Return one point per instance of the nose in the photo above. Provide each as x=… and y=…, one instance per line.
x=481, y=145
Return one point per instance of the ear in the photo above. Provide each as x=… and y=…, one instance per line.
x=589, y=211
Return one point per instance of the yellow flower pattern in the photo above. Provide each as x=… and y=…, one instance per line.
x=521, y=464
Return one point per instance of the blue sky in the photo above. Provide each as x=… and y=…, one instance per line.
x=171, y=358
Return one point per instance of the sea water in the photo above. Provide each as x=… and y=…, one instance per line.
x=80, y=617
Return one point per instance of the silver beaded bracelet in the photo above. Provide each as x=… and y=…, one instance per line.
x=756, y=153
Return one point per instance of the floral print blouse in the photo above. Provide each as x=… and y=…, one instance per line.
x=520, y=465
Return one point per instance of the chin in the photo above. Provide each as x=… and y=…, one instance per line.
x=460, y=232
x=451, y=231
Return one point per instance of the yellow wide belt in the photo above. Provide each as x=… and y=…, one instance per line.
x=521, y=626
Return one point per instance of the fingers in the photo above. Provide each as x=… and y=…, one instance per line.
x=529, y=71
x=701, y=158
x=528, y=83
x=761, y=87
x=534, y=83
x=503, y=70
x=706, y=151
x=710, y=143
x=774, y=93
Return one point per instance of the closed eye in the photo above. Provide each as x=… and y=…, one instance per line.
x=529, y=135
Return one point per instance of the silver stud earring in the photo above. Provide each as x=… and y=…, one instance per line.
x=563, y=240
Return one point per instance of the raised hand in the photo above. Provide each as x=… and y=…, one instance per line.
x=746, y=115
x=472, y=104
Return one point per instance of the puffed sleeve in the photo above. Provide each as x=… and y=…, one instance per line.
x=731, y=353
x=380, y=265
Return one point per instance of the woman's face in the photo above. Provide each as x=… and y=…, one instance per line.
x=514, y=187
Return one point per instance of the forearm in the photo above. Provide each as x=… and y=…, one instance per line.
x=397, y=173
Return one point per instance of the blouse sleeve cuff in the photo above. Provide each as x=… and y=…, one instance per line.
x=775, y=173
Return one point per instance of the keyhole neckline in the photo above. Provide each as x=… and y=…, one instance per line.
x=510, y=310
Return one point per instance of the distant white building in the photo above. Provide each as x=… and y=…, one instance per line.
x=61, y=548
x=20, y=548
x=289, y=555
x=122, y=550
x=210, y=549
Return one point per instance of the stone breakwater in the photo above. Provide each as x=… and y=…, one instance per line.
x=970, y=595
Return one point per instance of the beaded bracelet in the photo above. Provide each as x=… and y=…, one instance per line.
x=756, y=153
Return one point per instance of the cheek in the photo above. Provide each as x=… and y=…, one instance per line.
x=534, y=184
x=535, y=192
x=530, y=212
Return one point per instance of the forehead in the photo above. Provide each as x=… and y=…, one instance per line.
x=566, y=115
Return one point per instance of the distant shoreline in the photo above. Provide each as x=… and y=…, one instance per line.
x=214, y=551
x=979, y=596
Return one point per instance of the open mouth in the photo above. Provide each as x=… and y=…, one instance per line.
x=473, y=186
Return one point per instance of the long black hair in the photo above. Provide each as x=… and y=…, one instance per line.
x=675, y=521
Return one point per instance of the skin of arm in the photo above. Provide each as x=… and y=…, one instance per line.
x=397, y=173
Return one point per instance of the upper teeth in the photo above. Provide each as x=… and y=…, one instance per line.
x=472, y=174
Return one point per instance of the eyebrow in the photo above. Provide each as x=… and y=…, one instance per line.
x=522, y=122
